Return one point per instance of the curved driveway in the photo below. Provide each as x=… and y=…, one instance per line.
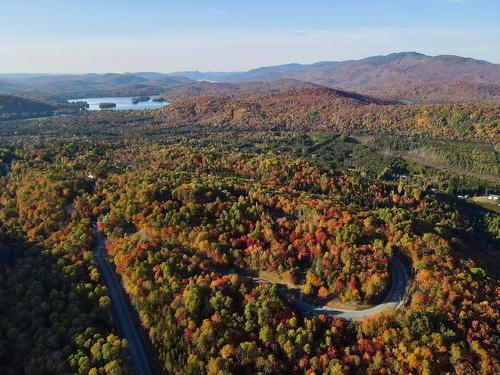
x=120, y=308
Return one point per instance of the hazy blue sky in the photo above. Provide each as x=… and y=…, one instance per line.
x=169, y=35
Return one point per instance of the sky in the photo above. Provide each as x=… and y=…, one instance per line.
x=77, y=36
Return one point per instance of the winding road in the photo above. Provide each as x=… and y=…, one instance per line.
x=394, y=298
x=128, y=329
x=121, y=310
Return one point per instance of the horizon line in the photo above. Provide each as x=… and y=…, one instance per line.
x=178, y=72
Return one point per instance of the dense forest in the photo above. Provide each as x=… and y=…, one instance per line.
x=55, y=314
x=322, y=108
x=197, y=219
x=207, y=88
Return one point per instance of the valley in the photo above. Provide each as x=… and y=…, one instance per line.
x=338, y=217
x=250, y=187
x=316, y=217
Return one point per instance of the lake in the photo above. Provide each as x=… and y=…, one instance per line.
x=123, y=103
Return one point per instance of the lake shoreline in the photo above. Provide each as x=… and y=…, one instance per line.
x=123, y=103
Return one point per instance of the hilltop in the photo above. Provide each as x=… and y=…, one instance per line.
x=232, y=89
x=304, y=107
x=15, y=107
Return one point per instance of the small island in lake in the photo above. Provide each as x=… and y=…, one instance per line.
x=107, y=105
x=139, y=99
x=159, y=100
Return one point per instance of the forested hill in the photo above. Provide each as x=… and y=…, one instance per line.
x=308, y=107
x=234, y=89
x=322, y=108
x=14, y=106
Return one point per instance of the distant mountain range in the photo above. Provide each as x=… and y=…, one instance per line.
x=403, y=76
x=59, y=87
x=406, y=76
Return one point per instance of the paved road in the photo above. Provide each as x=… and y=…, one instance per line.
x=393, y=299
x=120, y=310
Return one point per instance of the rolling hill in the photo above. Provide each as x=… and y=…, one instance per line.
x=303, y=108
x=60, y=87
x=233, y=89
x=16, y=107
x=347, y=112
